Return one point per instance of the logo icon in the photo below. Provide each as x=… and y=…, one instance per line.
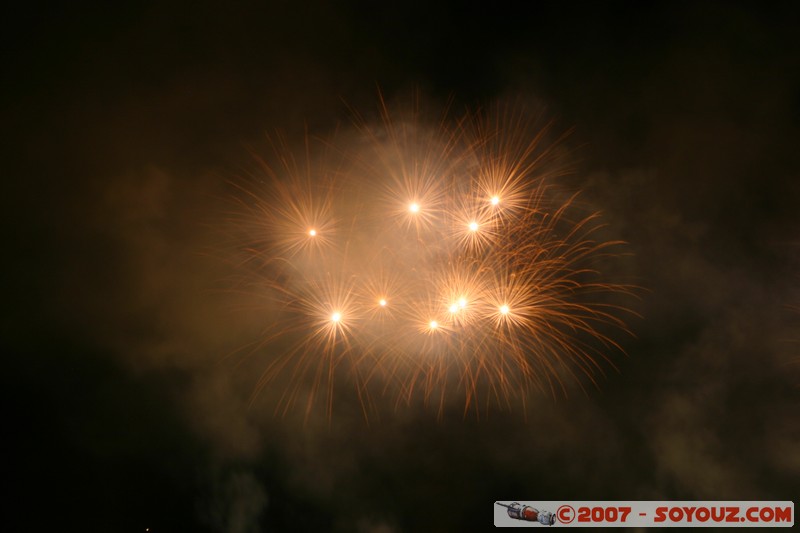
x=528, y=513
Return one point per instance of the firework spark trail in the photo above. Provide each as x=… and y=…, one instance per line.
x=427, y=262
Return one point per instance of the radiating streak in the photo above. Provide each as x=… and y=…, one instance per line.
x=490, y=271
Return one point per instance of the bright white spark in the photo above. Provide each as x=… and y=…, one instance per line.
x=312, y=232
x=504, y=310
x=453, y=308
x=462, y=303
x=473, y=226
x=336, y=316
x=495, y=200
x=414, y=207
x=382, y=302
x=433, y=324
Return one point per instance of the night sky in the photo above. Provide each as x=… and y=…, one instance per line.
x=123, y=129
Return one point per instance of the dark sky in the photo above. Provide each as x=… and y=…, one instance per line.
x=122, y=125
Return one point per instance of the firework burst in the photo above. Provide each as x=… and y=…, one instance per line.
x=427, y=261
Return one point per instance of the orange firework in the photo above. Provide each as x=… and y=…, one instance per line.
x=439, y=262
